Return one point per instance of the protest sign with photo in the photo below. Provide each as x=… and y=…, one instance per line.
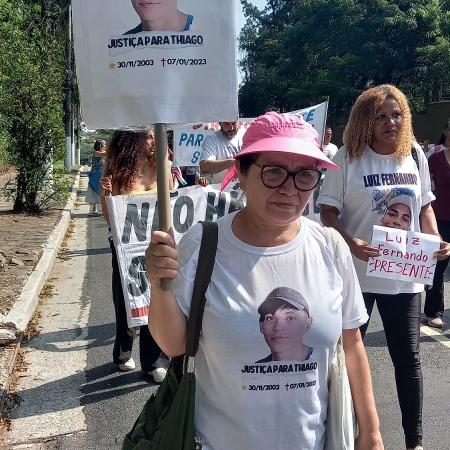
x=140, y=63
x=134, y=217
x=404, y=255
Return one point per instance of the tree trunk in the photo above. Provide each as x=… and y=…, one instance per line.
x=19, y=205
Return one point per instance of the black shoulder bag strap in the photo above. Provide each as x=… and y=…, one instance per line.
x=205, y=265
x=415, y=157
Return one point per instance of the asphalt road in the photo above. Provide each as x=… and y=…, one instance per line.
x=74, y=398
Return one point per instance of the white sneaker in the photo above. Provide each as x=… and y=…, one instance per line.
x=127, y=365
x=435, y=322
x=417, y=447
x=159, y=374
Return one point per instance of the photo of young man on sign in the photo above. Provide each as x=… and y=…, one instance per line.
x=160, y=15
x=398, y=213
x=283, y=320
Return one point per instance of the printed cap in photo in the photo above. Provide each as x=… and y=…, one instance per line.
x=283, y=295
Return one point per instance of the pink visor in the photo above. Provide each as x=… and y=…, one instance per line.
x=285, y=133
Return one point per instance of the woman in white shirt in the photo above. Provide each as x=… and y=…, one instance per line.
x=379, y=171
x=279, y=285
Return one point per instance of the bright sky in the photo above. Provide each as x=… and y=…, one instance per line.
x=240, y=16
x=240, y=20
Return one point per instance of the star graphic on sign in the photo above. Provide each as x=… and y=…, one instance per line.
x=244, y=387
x=112, y=66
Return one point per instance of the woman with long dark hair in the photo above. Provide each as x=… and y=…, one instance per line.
x=131, y=169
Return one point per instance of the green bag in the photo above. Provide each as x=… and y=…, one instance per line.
x=167, y=419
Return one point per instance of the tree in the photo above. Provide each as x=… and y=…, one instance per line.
x=299, y=52
x=32, y=70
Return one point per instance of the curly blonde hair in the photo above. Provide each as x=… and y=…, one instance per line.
x=359, y=129
x=125, y=154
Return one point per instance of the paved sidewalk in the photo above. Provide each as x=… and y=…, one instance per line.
x=22, y=238
x=28, y=246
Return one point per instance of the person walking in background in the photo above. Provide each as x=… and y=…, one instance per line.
x=328, y=147
x=219, y=150
x=93, y=190
x=440, y=175
x=131, y=169
x=379, y=140
x=267, y=254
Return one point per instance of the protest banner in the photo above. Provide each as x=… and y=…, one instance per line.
x=142, y=63
x=315, y=115
x=404, y=255
x=134, y=217
x=188, y=138
x=187, y=144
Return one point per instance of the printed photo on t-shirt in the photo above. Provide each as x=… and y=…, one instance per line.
x=394, y=207
x=283, y=321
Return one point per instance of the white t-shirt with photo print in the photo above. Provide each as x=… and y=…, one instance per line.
x=244, y=399
x=363, y=192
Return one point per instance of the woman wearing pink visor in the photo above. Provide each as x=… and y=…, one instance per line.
x=276, y=403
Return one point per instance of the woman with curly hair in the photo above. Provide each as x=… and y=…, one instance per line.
x=131, y=169
x=380, y=162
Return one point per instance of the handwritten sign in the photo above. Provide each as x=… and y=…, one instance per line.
x=404, y=255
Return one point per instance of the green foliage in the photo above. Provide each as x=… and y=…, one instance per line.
x=298, y=52
x=32, y=75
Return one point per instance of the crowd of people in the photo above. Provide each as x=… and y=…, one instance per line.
x=285, y=289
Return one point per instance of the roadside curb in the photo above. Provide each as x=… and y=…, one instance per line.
x=21, y=313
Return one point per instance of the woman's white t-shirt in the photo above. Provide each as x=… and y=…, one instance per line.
x=246, y=400
x=363, y=191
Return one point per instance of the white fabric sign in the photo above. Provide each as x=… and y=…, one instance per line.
x=130, y=74
x=316, y=116
x=132, y=220
x=187, y=144
x=404, y=255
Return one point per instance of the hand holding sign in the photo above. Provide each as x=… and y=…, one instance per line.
x=106, y=184
x=162, y=258
x=443, y=252
x=362, y=250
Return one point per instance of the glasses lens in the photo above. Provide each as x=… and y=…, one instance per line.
x=274, y=176
x=306, y=179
